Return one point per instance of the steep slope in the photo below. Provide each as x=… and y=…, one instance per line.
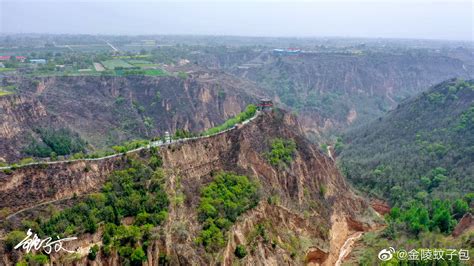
x=424, y=145
x=420, y=158
x=333, y=90
x=304, y=214
x=105, y=111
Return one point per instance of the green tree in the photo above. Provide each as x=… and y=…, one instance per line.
x=93, y=252
x=240, y=251
x=460, y=207
x=222, y=201
x=138, y=256
x=442, y=216
x=281, y=152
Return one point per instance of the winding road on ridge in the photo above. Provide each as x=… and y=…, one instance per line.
x=344, y=251
x=152, y=144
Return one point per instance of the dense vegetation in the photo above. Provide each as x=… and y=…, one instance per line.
x=281, y=152
x=134, y=192
x=130, y=145
x=222, y=201
x=420, y=157
x=55, y=142
x=249, y=112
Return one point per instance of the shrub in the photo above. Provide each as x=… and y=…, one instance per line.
x=8, y=171
x=460, y=207
x=240, y=251
x=93, y=252
x=183, y=75
x=249, y=112
x=282, y=152
x=138, y=256
x=60, y=141
x=37, y=259
x=13, y=238
x=26, y=160
x=222, y=201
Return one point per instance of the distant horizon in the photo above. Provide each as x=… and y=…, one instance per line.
x=404, y=20
x=234, y=36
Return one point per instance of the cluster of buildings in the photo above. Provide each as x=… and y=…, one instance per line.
x=287, y=51
x=8, y=58
x=21, y=59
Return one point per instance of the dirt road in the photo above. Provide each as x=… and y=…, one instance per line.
x=347, y=247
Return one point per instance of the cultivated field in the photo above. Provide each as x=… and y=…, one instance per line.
x=116, y=63
x=99, y=67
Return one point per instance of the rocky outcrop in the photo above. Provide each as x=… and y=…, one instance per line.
x=332, y=91
x=17, y=114
x=380, y=206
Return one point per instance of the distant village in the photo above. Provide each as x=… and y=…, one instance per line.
x=6, y=60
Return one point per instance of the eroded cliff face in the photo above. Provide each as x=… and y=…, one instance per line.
x=15, y=112
x=28, y=186
x=332, y=91
x=314, y=214
x=106, y=111
x=316, y=209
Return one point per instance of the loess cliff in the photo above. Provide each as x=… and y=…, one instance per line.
x=106, y=111
x=315, y=213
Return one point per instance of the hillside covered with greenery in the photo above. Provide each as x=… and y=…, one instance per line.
x=136, y=192
x=420, y=157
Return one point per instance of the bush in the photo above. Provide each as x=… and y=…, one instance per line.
x=60, y=141
x=282, y=152
x=248, y=113
x=240, y=252
x=460, y=207
x=37, y=259
x=26, y=160
x=133, y=192
x=8, y=171
x=93, y=252
x=155, y=162
x=138, y=256
x=222, y=201
x=183, y=75
x=13, y=238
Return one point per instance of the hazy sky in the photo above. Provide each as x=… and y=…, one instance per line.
x=421, y=19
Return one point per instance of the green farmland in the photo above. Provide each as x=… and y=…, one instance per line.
x=116, y=63
x=7, y=90
x=142, y=63
x=155, y=72
x=146, y=72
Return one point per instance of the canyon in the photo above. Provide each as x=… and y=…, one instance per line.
x=316, y=212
